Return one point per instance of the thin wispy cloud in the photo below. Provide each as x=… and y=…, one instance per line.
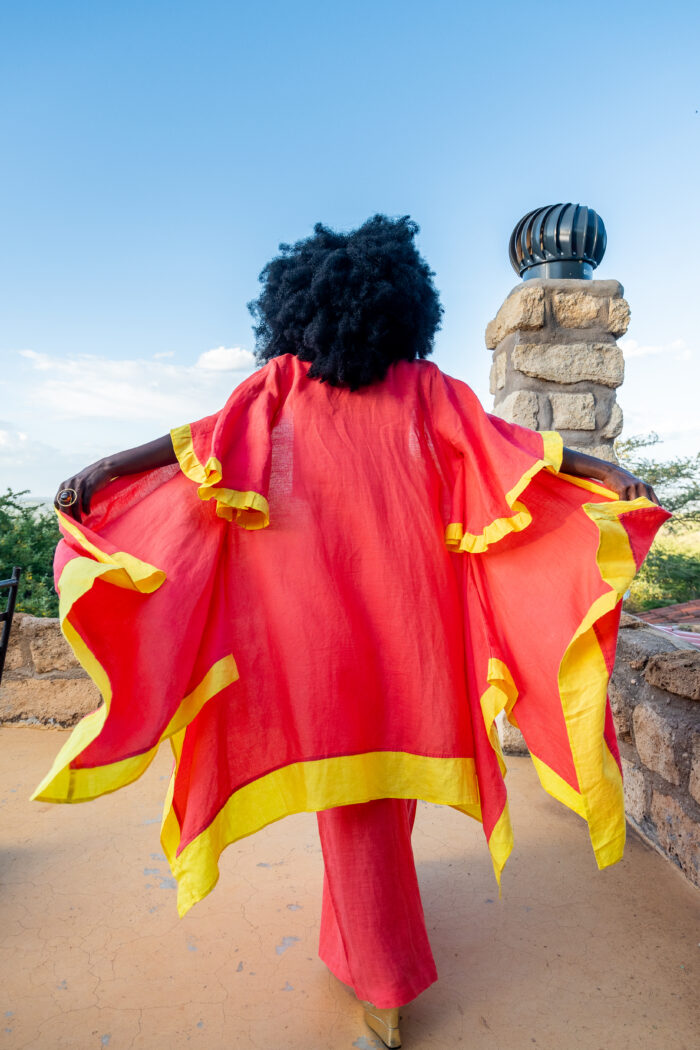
x=95, y=387
x=65, y=411
x=27, y=463
x=678, y=349
x=670, y=427
x=226, y=359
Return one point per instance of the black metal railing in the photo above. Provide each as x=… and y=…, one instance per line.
x=6, y=616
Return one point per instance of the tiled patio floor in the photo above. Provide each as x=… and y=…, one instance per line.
x=93, y=954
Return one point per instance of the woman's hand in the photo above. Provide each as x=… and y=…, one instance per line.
x=154, y=454
x=85, y=484
x=627, y=485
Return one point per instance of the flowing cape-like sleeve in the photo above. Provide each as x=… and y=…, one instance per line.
x=142, y=602
x=545, y=559
x=228, y=454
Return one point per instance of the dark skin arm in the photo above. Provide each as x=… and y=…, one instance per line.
x=160, y=453
x=87, y=482
x=626, y=485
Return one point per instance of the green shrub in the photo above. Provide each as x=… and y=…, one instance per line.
x=28, y=538
x=671, y=573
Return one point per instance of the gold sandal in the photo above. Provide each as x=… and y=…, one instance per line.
x=384, y=1023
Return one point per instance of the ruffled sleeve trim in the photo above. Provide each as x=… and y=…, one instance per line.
x=460, y=541
x=249, y=509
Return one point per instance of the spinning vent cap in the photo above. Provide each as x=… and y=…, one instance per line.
x=561, y=240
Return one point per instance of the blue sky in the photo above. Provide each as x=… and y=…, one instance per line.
x=155, y=154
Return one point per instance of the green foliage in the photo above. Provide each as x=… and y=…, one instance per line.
x=675, y=481
x=671, y=572
x=28, y=538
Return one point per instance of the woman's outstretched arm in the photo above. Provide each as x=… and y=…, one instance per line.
x=154, y=454
x=610, y=475
x=160, y=453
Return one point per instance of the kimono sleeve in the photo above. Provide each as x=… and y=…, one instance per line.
x=493, y=463
x=228, y=454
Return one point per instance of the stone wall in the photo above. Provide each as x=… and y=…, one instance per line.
x=655, y=697
x=556, y=363
x=43, y=682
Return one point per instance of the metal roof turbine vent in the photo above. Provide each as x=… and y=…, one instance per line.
x=561, y=240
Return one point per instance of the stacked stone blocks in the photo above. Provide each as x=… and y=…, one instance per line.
x=655, y=697
x=556, y=362
x=43, y=683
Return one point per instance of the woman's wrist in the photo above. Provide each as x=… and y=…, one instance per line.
x=107, y=467
x=582, y=465
x=626, y=485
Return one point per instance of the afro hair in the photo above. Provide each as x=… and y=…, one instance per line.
x=350, y=303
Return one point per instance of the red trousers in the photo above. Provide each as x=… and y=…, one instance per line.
x=373, y=934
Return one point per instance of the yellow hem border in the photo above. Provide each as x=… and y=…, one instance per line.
x=583, y=686
x=457, y=539
x=582, y=676
x=250, y=510
x=500, y=695
x=310, y=786
x=63, y=784
x=306, y=787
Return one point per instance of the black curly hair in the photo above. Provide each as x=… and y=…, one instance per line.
x=351, y=303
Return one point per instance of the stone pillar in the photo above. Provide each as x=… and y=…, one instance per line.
x=556, y=363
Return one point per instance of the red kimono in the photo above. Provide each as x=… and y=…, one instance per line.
x=330, y=600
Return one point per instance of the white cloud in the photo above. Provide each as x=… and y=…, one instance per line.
x=227, y=359
x=677, y=347
x=26, y=463
x=12, y=441
x=670, y=427
x=41, y=362
x=63, y=412
x=92, y=387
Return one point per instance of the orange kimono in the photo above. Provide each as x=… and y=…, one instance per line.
x=329, y=601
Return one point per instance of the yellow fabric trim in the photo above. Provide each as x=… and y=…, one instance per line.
x=589, y=485
x=250, y=510
x=501, y=843
x=63, y=784
x=583, y=676
x=500, y=696
x=125, y=570
x=583, y=684
x=309, y=787
x=77, y=578
x=220, y=674
x=324, y=783
x=557, y=787
x=472, y=543
x=183, y=446
x=169, y=828
x=56, y=785
x=471, y=809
